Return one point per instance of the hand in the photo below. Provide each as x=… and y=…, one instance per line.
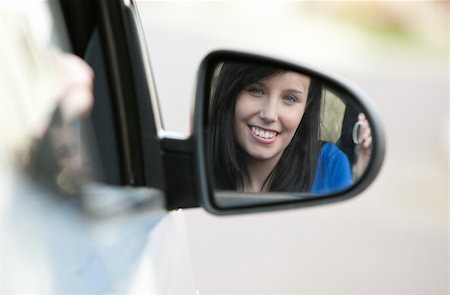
x=363, y=141
x=59, y=159
x=77, y=100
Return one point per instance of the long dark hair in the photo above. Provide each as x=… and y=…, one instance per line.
x=296, y=168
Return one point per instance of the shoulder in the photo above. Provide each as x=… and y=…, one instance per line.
x=333, y=161
x=330, y=151
x=333, y=170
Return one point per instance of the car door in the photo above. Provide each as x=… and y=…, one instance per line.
x=116, y=236
x=128, y=131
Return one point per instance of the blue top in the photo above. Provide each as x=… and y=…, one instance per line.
x=333, y=170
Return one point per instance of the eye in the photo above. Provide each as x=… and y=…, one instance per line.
x=256, y=91
x=290, y=99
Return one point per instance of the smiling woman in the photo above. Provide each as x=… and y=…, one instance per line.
x=265, y=124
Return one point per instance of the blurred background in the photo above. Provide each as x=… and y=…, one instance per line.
x=393, y=238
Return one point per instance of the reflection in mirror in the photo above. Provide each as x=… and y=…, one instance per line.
x=275, y=130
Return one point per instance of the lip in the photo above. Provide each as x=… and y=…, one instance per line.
x=261, y=139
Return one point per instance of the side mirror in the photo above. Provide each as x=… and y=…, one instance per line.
x=271, y=135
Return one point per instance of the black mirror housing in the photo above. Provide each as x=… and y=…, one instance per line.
x=233, y=202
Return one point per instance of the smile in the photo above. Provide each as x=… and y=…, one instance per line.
x=263, y=133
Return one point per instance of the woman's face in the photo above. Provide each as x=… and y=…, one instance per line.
x=267, y=114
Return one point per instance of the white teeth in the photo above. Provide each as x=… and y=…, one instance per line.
x=262, y=133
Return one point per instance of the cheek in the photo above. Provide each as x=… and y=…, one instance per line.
x=293, y=118
x=239, y=115
x=243, y=107
x=238, y=127
x=238, y=110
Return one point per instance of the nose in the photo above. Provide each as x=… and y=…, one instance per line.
x=269, y=112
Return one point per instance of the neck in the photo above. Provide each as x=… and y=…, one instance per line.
x=258, y=172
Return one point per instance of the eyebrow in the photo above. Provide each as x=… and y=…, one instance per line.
x=294, y=90
x=286, y=90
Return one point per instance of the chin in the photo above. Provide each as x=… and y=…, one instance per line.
x=262, y=156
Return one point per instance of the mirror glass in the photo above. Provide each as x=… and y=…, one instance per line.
x=276, y=135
